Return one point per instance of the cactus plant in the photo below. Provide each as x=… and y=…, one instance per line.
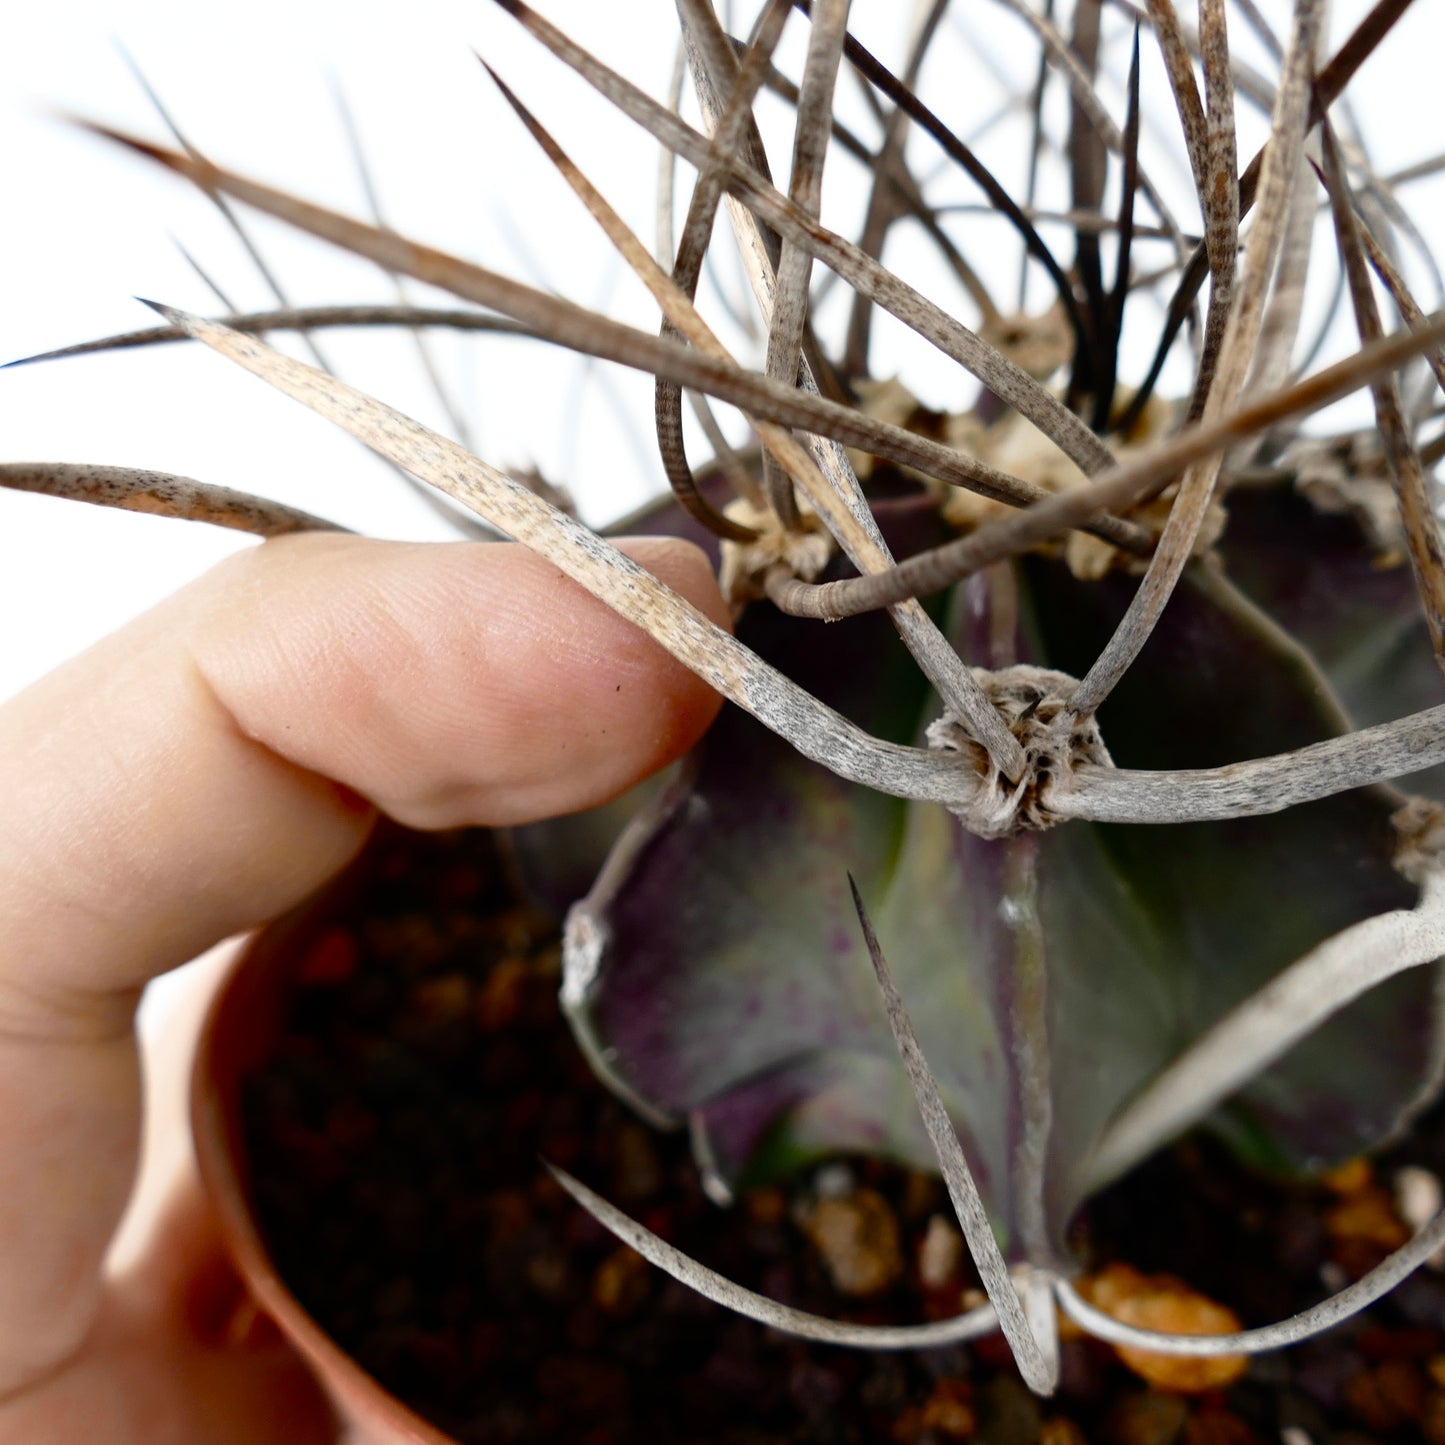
x=1094, y=836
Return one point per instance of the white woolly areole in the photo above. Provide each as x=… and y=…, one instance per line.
x=584, y=940
x=1034, y=703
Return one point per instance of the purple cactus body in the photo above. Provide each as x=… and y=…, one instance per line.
x=1058, y=971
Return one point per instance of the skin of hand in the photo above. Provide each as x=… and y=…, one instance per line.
x=193, y=775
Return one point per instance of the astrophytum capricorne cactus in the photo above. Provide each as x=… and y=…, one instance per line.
x=1075, y=827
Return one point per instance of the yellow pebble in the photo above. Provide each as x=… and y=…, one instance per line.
x=1168, y=1305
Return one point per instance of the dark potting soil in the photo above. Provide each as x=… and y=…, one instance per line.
x=397, y=1140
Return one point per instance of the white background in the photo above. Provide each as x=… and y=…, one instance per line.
x=88, y=227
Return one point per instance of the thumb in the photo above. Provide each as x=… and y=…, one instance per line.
x=214, y=762
x=179, y=782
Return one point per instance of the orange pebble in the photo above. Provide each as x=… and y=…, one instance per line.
x=1348, y=1178
x=1168, y=1305
x=1060, y=1430
x=1367, y=1215
x=621, y=1283
x=948, y=1411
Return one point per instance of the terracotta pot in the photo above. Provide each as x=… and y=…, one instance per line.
x=241, y=1028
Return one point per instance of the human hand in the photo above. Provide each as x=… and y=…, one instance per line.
x=200, y=772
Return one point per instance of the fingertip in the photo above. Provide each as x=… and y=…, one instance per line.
x=456, y=684
x=692, y=703
x=685, y=567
